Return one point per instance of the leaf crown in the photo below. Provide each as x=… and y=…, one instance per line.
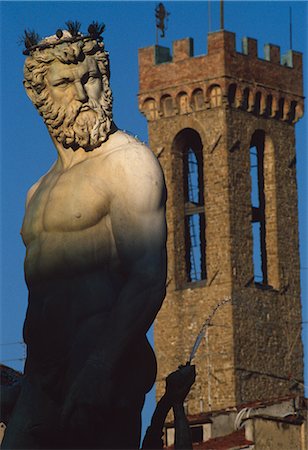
x=32, y=40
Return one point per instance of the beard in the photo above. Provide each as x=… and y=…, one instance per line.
x=85, y=125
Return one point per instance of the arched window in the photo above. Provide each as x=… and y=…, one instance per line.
x=215, y=96
x=280, y=113
x=257, y=105
x=150, y=109
x=231, y=94
x=167, y=105
x=269, y=103
x=183, y=104
x=292, y=111
x=190, y=228
x=195, y=242
x=198, y=99
x=245, y=103
x=258, y=207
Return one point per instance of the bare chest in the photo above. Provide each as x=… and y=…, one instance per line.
x=69, y=201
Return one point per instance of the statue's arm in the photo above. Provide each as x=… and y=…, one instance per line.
x=182, y=430
x=178, y=385
x=153, y=436
x=137, y=213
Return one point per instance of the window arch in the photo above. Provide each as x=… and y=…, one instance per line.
x=269, y=104
x=183, y=103
x=188, y=142
x=215, y=96
x=275, y=107
x=231, y=94
x=150, y=109
x=292, y=111
x=264, y=210
x=280, y=113
x=246, y=96
x=257, y=105
x=198, y=99
x=167, y=105
x=258, y=207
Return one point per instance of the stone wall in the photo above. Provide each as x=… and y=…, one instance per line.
x=274, y=434
x=253, y=349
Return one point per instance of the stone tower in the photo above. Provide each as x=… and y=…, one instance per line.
x=222, y=126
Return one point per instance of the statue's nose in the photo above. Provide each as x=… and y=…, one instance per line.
x=81, y=94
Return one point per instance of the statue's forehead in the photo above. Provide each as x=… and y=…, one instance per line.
x=58, y=69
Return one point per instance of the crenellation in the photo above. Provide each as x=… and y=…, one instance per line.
x=221, y=41
x=272, y=53
x=297, y=60
x=250, y=47
x=146, y=57
x=162, y=54
x=182, y=49
x=221, y=62
x=293, y=60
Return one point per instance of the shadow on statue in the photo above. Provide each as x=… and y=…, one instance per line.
x=178, y=385
x=95, y=236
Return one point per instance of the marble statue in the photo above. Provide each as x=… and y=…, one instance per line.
x=95, y=266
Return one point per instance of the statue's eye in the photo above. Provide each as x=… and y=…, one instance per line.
x=62, y=83
x=91, y=77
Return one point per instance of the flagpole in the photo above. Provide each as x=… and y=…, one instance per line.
x=291, y=43
x=209, y=14
x=222, y=15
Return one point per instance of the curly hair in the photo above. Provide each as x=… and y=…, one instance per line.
x=59, y=119
x=37, y=64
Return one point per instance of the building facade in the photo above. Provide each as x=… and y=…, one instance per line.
x=222, y=126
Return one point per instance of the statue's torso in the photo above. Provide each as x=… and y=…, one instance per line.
x=67, y=228
x=72, y=267
x=71, y=263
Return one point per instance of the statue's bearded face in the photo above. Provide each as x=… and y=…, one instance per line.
x=79, y=108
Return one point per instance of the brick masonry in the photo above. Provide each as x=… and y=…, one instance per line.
x=254, y=349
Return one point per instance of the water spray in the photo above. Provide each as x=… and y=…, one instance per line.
x=204, y=327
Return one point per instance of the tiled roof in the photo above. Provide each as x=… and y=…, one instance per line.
x=267, y=402
x=290, y=419
x=234, y=440
x=205, y=417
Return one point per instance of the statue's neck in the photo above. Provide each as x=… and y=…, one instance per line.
x=68, y=157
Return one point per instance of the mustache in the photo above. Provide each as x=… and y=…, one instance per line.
x=80, y=124
x=91, y=104
x=77, y=107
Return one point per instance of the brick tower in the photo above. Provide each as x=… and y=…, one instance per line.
x=222, y=126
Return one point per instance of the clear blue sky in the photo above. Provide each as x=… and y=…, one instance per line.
x=27, y=151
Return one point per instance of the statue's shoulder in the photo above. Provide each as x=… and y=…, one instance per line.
x=134, y=171
x=36, y=185
x=128, y=151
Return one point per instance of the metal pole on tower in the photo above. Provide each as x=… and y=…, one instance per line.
x=222, y=26
x=291, y=43
x=209, y=14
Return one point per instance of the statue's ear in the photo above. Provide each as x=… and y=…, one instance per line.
x=30, y=92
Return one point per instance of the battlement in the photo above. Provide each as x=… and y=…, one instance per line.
x=278, y=78
x=284, y=72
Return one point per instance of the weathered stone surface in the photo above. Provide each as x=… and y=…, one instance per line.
x=254, y=349
x=95, y=233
